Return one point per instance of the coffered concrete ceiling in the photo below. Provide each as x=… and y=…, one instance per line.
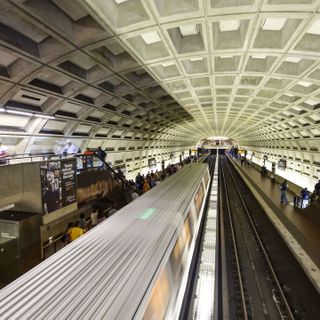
x=164, y=70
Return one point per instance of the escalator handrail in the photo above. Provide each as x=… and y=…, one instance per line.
x=112, y=170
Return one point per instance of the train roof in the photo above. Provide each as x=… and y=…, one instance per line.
x=107, y=272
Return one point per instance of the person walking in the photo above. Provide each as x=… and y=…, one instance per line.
x=283, y=190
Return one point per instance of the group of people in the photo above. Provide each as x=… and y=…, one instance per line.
x=88, y=159
x=78, y=228
x=305, y=194
x=144, y=183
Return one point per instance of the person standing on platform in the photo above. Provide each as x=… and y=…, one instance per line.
x=242, y=160
x=305, y=197
x=3, y=154
x=75, y=232
x=283, y=189
x=139, y=182
x=83, y=222
x=317, y=188
x=94, y=217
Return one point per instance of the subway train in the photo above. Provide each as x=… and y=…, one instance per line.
x=134, y=265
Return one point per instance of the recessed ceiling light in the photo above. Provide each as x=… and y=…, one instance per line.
x=229, y=25
x=227, y=57
x=305, y=84
x=21, y=113
x=259, y=56
x=189, y=29
x=292, y=59
x=120, y=1
x=315, y=28
x=311, y=102
x=151, y=37
x=168, y=64
x=196, y=59
x=273, y=24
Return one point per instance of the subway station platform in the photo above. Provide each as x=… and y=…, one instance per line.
x=305, y=240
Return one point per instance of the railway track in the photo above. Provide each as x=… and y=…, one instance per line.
x=254, y=290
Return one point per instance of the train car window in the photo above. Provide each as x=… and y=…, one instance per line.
x=198, y=199
x=176, y=258
x=186, y=232
x=160, y=297
x=206, y=178
x=191, y=222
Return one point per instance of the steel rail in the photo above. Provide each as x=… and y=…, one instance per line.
x=289, y=314
x=235, y=246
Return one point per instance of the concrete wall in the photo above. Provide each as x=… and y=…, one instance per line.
x=20, y=185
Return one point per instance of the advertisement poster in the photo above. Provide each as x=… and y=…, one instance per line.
x=68, y=181
x=58, y=181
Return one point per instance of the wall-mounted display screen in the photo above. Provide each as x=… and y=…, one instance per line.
x=152, y=163
x=282, y=164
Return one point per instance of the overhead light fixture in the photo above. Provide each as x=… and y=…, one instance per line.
x=196, y=59
x=28, y=114
x=229, y=25
x=189, y=29
x=311, y=102
x=273, y=24
x=293, y=59
x=315, y=28
x=120, y=1
x=227, y=57
x=259, y=56
x=20, y=113
x=43, y=116
x=151, y=37
x=305, y=84
x=168, y=64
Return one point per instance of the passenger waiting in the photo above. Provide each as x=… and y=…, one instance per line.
x=94, y=217
x=66, y=237
x=3, y=154
x=83, y=222
x=75, y=232
x=305, y=197
x=139, y=182
x=101, y=216
x=316, y=191
x=283, y=189
x=146, y=186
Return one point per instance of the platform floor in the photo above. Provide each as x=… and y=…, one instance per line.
x=304, y=230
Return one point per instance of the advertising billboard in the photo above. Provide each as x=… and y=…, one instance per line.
x=58, y=184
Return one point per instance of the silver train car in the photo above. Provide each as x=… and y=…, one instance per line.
x=134, y=265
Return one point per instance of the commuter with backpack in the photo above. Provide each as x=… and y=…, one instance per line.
x=283, y=189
